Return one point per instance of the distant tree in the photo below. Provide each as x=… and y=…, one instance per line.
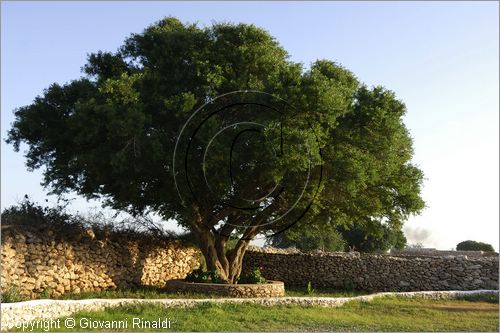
x=470, y=245
x=373, y=236
x=310, y=239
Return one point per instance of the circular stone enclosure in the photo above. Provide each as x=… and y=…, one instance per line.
x=269, y=289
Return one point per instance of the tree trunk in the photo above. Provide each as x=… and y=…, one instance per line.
x=213, y=248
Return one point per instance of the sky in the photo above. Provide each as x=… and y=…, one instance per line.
x=440, y=58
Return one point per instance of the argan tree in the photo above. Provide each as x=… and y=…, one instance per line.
x=216, y=128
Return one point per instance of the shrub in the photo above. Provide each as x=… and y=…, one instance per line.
x=46, y=293
x=31, y=215
x=215, y=277
x=198, y=276
x=201, y=276
x=470, y=245
x=10, y=294
x=253, y=278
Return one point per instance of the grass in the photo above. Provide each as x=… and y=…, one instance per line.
x=381, y=314
x=143, y=293
x=151, y=292
x=11, y=293
x=322, y=292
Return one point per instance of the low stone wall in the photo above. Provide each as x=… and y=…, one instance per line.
x=440, y=253
x=42, y=262
x=15, y=314
x=269, y=289
x=45, y=262
x=375, y=272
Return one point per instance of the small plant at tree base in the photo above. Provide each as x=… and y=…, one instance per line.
x=253, y=278
x=215, y=277
x=201, y=276
x=198, y=275
x=310, y=290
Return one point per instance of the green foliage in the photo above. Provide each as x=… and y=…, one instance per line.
x=28, y=213
x=200, y=276
x=65, y=226
x=215, y=277
x=370, y=236
x=11, y=294
x=310, y=290
x=309, y=239
x=489, y=298
x=373, y=236
x=46, y=293
x=255, y=277
x=470, y=245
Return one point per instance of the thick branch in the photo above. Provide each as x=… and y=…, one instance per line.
x=236, y=257
x=222, y=237
x=208, y=247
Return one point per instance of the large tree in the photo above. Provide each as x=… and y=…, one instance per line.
x=218, y=129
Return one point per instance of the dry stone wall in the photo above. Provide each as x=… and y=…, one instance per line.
x=376, y=272
x=269, y=289
x=44, y=262
x=37, y=263
x=433, y=253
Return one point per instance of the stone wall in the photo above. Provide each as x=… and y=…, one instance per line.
x=433, y=252
x=269, y=289
x=376, y=272
x=35, y=262
x=47, y=262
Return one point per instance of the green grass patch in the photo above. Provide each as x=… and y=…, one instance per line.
x=481, y=298
x=151, y=292
x=381, y=314
x=142, y=293
x=322, y=292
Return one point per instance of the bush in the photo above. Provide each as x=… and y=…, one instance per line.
x=253, y=278
x=201, y=276
x=198, y=276
x=470, y=245
x=29, y=215
x=11, y=294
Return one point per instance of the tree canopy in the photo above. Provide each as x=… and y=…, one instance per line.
x=218, y=129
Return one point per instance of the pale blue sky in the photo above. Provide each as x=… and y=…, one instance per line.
x=440, y=58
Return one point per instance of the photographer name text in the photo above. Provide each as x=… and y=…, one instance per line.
x=90, y=323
